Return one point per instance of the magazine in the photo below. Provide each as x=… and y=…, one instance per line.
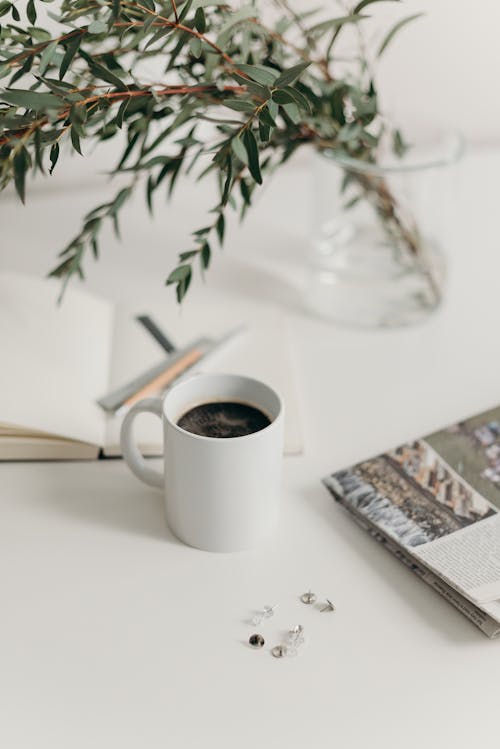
x=434, y=503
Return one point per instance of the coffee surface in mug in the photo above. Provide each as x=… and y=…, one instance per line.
x=223, y=419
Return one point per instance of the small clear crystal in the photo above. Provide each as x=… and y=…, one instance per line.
x=265, y=613
x=295, y=636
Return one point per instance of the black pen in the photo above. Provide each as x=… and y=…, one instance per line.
x=158, y=335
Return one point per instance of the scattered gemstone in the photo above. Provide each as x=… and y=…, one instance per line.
x=256, y=641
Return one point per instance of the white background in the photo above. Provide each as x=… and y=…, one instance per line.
x=443, y=66
x=115, y=636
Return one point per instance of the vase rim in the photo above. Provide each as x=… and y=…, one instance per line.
x=444, y=150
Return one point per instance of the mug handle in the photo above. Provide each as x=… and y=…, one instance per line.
x=130, y=451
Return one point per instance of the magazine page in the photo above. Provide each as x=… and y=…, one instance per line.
x=486, y=616
x=439, y=497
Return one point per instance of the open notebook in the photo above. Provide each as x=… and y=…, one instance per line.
x=58, y=360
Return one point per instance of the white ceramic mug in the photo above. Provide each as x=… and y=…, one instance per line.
x=220, y=494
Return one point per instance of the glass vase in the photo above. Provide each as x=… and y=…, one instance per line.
x=378, y=246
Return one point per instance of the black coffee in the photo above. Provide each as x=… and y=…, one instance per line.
x=223, y=420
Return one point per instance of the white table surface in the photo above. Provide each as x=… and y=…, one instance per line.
x=116, y=636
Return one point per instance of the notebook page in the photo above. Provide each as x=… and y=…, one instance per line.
x=55, y=358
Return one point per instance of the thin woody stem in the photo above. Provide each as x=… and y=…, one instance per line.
x=193, y=32
x=174, y=8
x=40, y=47
x=162, y=21
x=378, y=193
x=177, y=90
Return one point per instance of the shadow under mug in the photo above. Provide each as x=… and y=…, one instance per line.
x=220, y=494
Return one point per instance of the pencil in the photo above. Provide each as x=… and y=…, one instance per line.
x=161, y=381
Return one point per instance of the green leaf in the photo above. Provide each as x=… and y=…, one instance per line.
x=120, y=199
x=183, y=39
x=92, y=226
x=78, y=117
x=195, y=47
x=38, y=150
x=150, y=186
x=21, y=164
x=25, y=68
x=31, y=11
x=392, y=33
x=273, y=109
x=157, y=36
x=289, y=76
x=220, y=227
x=359, y=7
x=60, y=88
x=128, y=149
x=53, y=156
x=182, y=287
x=175, y=173
x=259, y=73
x=179, y=274
x=46, y=57
x=15, y=13
x=245, y=192
x=398, y=144
x=283, y=97
x=253, y=88
x=335, y=23
x=239, y=105
x=264, y=131
x=292, y=111
x=253, y=155
x=97, y=27
x=116, y=10
x=200, y=21
x=15, y=122
x=71, y=50
x=205, y=256
x=66, y=267
x=352, y=202
x=4, y=7
x=228, y=181
x=266, y=118
x=201, y=232
x=102, y=72
x=41, y=35
x=121, y=112
x=239, y=149
x=75, y=140
x=299, y=98
x=30, y=99
x=185, y=10
x=188, y=255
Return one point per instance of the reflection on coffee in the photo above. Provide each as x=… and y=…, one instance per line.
x=224, y=419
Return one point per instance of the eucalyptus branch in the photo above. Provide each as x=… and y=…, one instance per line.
x=88, y=237
x=81, y=86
